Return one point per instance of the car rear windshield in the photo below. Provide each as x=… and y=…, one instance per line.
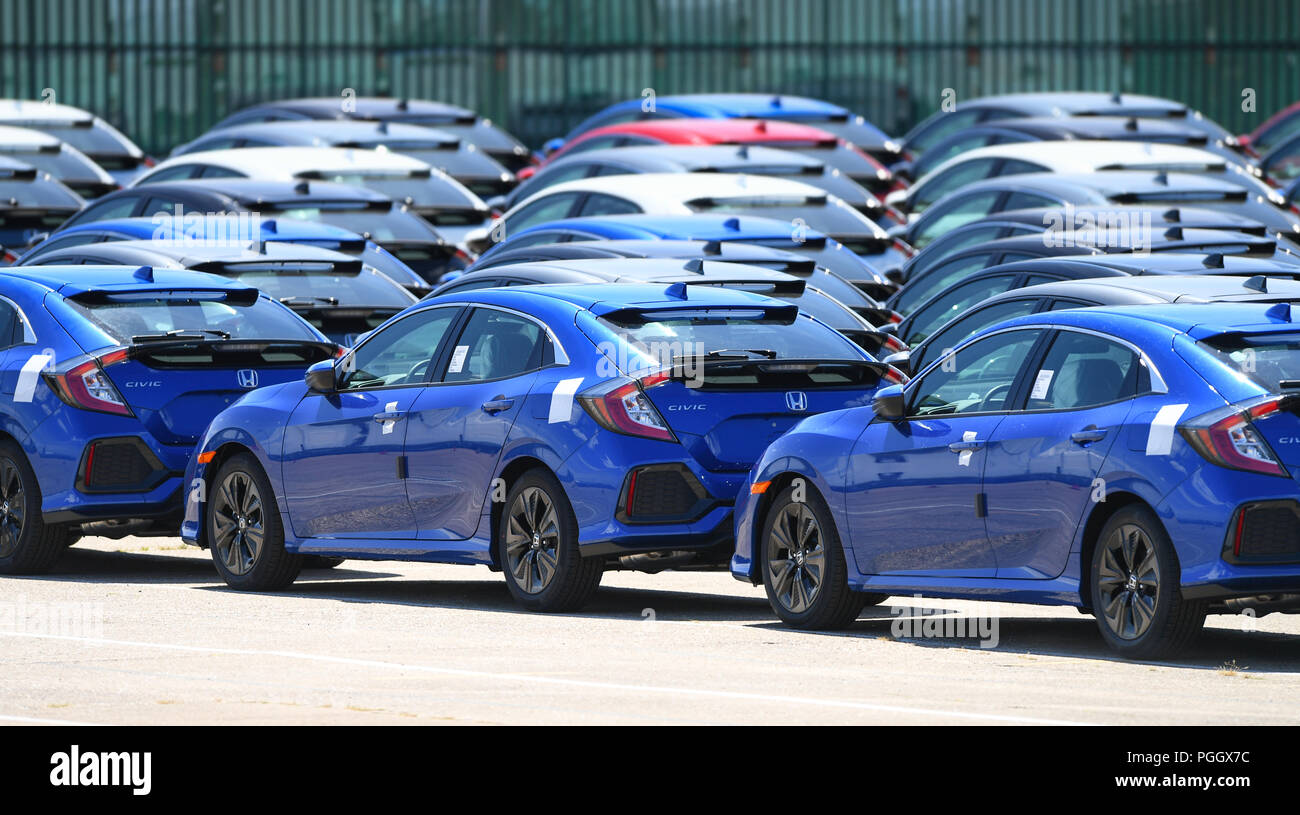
x=727, y=334
x=146, y=315
x=1270, y=360
x=826, y=217
x=300, y=286
x=393, y=225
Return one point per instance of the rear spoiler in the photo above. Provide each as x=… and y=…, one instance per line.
x=231, y=268
x=630, y=314
x=689, y=368
x=239, y=296
x=790, y=288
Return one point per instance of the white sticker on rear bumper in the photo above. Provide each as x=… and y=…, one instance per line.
x=28, y=376
x=562, y=400
x=1160, y=440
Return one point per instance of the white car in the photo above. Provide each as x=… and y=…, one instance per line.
x=99, y=140
x=49, y=154
x=425, y=190
x=1070, y=157
x=802, y=205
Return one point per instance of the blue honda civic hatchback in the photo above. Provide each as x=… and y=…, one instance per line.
x=540, y=430
x=1138, y=462
x=108, y=377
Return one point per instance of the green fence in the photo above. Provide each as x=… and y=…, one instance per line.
x=165, y=70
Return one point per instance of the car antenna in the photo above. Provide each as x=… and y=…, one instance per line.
x=1162, y=178
x=403, y=104
x=732, y=223
x=1173, y=215
x=695, y=265
x=743, y=151
x=1213, y=261
x=1281, y=312
x=1131, y=124
x=713, y=248
x=1174, y=233
x=302, y=188
x=144, y=273
x=1116, y=98
x=776, y=101
x=761, y=127
x=383, y=127
x=677, y=291
x=1257, y=283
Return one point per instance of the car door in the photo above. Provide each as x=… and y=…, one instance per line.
x=1041, y=461
x=459, y=424
x=342, y=450
x=914, y=484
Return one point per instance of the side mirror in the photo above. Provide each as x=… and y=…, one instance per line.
x=901, y=360
x=888, y=403
x=320, y=377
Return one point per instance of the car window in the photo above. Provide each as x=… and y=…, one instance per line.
x=155, y=205
x=400, y=354
x=177, y=173
x=944, y=126
x=496, y=344
x=955, y=146
x=954, y=214
x=1027, y=200
x=10, y=331
x=471, y=285
x=596, y=143
x=952, y=303
x=951, y=180
x=213, y=171
x=924, y=286
x=1083, y=370
x=1011, y=166
x=976, y=379
x=952, y=334
x=120, y=207
x=543, y=210
x=64, y=242
x=599, y=204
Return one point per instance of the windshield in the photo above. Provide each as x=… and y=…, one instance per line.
x=1270, y=360
x=305, y=286
x=124, y=317
x=829, y=217
x=395, y=224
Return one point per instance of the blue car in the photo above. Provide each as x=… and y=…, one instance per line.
x=109, y=376
x=719, y=227
x=1137, y=462
x=540, y=430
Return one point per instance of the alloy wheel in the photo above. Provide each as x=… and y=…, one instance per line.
x=1128, y=580
x=796, y=557
x=13, y=500
x=532, y=540
x=240, y=526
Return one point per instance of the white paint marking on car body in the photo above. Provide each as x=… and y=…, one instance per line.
x=28, y=376
x=1160, y=439
x=562, y=400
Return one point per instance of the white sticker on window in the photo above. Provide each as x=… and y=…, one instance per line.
x=1160, y=440
x=1042, y=383
x=562, y=400
x=29, y=375
x=458, y=359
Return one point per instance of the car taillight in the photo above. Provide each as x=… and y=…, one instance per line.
x=903, y=246
x=85, y=385
x=893, y=344
x=623, y=407
x=1232, y=440
x=894, y=376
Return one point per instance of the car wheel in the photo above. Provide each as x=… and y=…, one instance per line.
x=27, y=544
x=321, y=562
x=804, y=573
x=1136, y=595
x=537, y=543
x=244, y=529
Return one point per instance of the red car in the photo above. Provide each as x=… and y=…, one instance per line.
x=811, y=141
x=1276, y=129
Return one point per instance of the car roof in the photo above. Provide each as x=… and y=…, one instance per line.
x=288, y=162
x=254, y=190
x=1087, y=156
x=30, y=110
x=642, y=268
x=603, y=298
x=14, y=136
x=1107, y=183
x=699, y=226
x=1165, y=215
x=1181, y=262
x=76, y=279
x=642, y=247
x=325, y=132
x=1159, y=289
x=694, y=157
x=754, y=105
x=1199, y=320
x=717, y=131
x=329, y=107
x=1074, y=102
x=676, y=189
x=189, y=252
x=286, y=229
x=1108, y=127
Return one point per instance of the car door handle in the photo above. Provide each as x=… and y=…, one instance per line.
x=1088, y=436
x=389, y=416
x=962, y=446
x=498, y=405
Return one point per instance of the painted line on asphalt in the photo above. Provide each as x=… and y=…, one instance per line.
x=550, y=680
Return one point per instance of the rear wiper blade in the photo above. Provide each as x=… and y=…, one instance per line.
x=741, y=353
x=182, y=334
x=309, y=301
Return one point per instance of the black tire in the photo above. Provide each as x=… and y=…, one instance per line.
x=242, y=490
x=321, y=562
x=1135, y=588
x=27, y=544
x=537, y=544
x=804, y=573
